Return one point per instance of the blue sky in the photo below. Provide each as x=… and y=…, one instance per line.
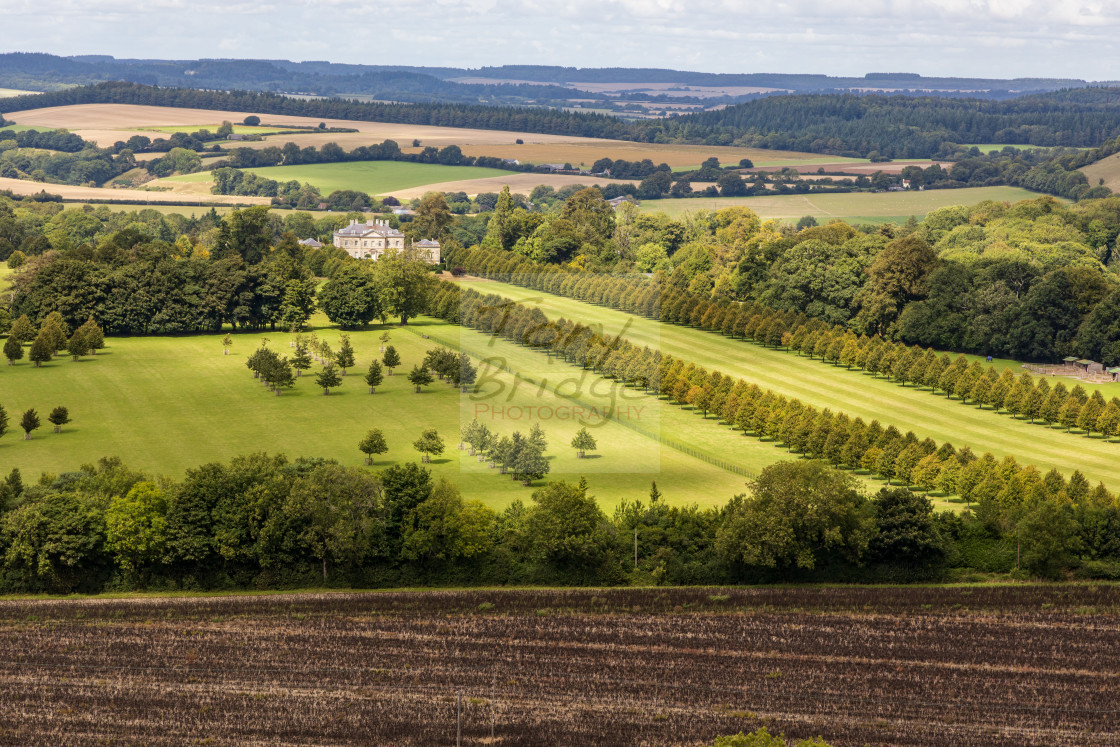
x=989, y=38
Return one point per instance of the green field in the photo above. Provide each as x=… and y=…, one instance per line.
x=25, y=128
x=373, y=177
x=852, y=392
x=1104, y=172
x=165, y=404
x=239, y=129
x=856, y=207
x=7, y=93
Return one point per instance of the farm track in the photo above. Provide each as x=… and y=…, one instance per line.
x=916, y=666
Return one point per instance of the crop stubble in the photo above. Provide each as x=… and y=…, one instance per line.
x=981, y=665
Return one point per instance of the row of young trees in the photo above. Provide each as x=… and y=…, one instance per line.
x=52, y=337
x=979, y=384
x=1002, y=487
x=29, y=421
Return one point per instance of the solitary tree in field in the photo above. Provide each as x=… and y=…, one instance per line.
x=385, y=337
x=29, y=422
x=59, y=417
x=328, y=378
x=468, y=374
x=391, y=359
x=300, y=360
x=583, y=442
x=78, y=345
x=13, y=349
x=429, y=443
x=373, y=443
x=227, y=343
x=373, y=375
x=3, y=420
x=420, y=376
x=528, y=462
x=345, y=355
x=42, y=350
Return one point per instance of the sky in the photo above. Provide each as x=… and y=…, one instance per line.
x=966, y=38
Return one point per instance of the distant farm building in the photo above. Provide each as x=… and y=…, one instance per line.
x=374, y=238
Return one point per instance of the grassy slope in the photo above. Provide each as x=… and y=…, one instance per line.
x=854, y=206
x=1105, y=171
x=166, y=404
x=373, y=177
x=852, y=392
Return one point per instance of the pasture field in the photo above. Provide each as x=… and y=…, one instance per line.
x=7, y=93
x=1105, y=171
x=373, y=177
x=852, y=392
x=517, y=183
x=987, y=665
x=855, y=207
x=166, y=404
x=76, y=193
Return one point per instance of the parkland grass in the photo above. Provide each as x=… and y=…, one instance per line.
x=851, y=392
x=167, y=404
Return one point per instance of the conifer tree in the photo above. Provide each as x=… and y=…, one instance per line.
x=328, y=378
x=29, y=422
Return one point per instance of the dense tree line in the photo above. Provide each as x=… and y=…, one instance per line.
x=262, y=521
x=899, y=126
x=842, y=124
x=67, y=142
x=1032, y=281
x=130, y=284
x=440, y=114
x=59, y=157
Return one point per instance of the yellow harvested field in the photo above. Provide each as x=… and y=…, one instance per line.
x=522, y=183
x=107, y=123
x=69, y=192
x=576, y=151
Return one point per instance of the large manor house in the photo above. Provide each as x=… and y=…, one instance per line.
x=373, y=238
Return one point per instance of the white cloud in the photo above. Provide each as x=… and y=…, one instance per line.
x=996, y=38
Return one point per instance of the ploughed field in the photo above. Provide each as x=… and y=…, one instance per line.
x=986, y=665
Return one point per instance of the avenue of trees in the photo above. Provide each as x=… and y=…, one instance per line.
x=1034, y=281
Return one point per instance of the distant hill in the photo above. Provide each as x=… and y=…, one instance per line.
x=648, y=90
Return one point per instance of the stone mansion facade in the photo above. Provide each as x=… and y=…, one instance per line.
x=373, y=238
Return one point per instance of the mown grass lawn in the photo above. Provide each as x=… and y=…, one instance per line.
x=852, y=392
x=166, y=404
